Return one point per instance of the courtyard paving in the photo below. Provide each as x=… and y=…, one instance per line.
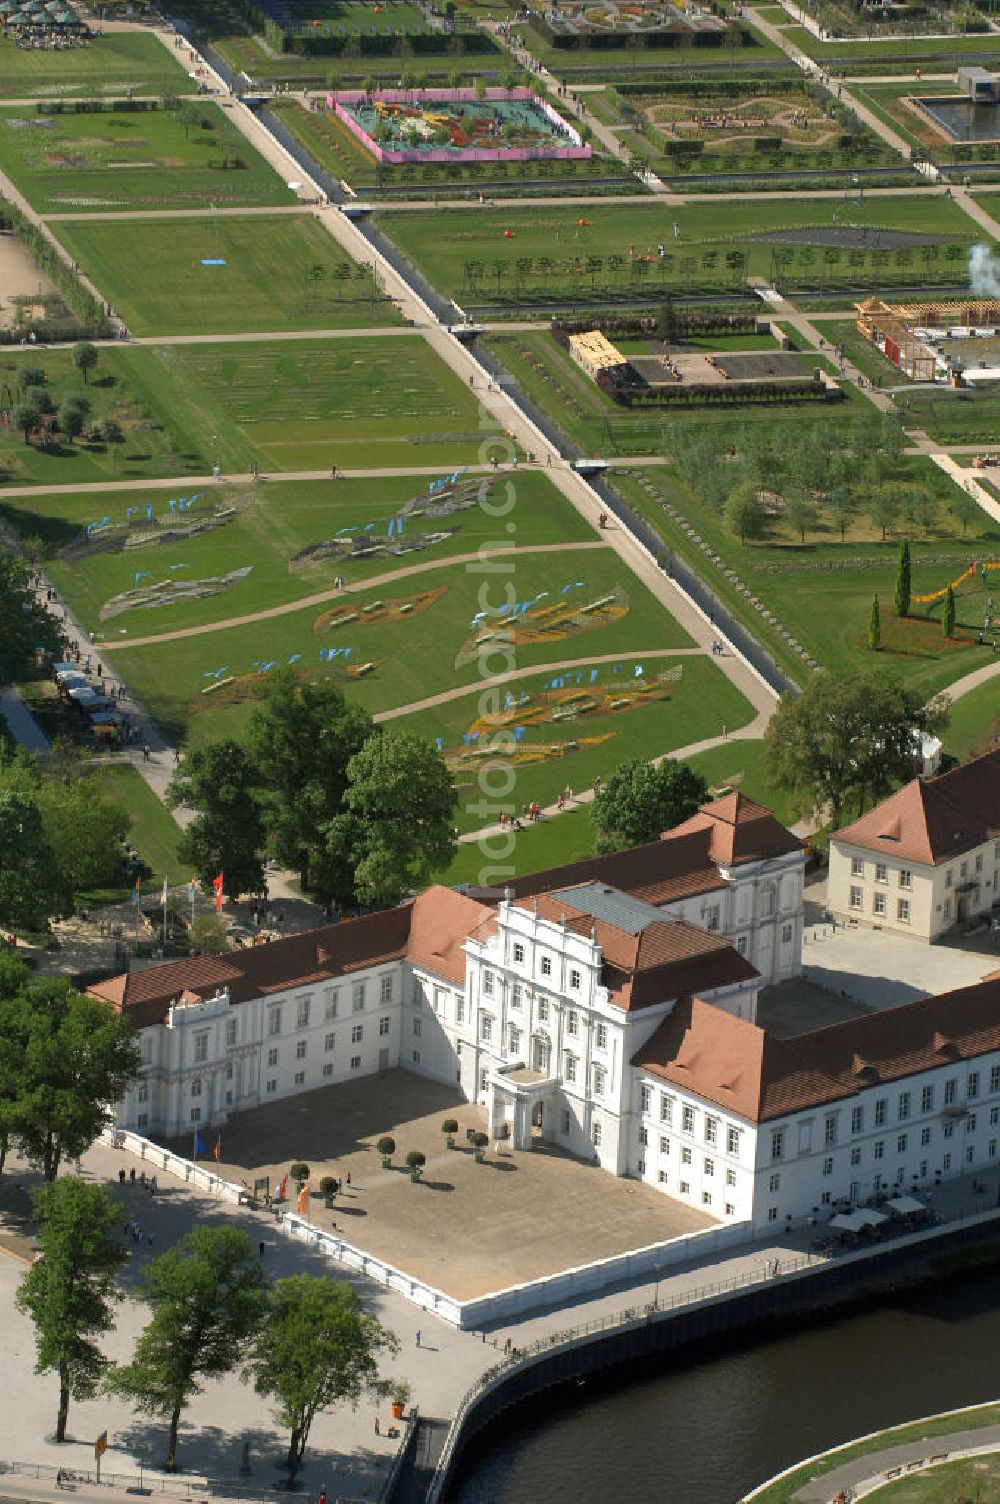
x=466, y=1228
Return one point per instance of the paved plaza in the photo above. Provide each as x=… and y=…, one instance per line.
x=466, y=1228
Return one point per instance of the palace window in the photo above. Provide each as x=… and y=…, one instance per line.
x=927, y=1099
x=274, y=1021
x=570, y=1067
x=666, y=1109
x=201, y=1046
x=732, y=1141
x=300, y=1078
x=332, y=1002
x=687, y=1119
x=486, y=1028
x=905, y=878
x=518, y=955
x=487, y=984
x=358, y=997
x=711, y=1130
x=385, y=989
x=302, y=1013
x=574, y=981
x=857, y=866
x=645, y=1097
x=383, y=1024
x=357, y=1033
x=300, y=1050
x=230, y=1031
x=855, y=898
x=272, y=1058
x=330, y=1043
x=546, y=966
x=601, y=1037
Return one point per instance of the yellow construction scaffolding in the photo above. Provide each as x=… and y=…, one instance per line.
x=890, y=327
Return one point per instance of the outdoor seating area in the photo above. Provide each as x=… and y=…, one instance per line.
x=42, y=24
x=889, y=1217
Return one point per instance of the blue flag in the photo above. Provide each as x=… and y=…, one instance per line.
x=199, y=1147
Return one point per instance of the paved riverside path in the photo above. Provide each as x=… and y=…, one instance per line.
x=871, y=1468
x=344, y=1452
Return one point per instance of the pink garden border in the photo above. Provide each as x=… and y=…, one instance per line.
x=336, y=101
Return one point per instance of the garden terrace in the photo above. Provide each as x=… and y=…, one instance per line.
x=808, y=600
x=108, y=63
x=753, y=126
x=226, y=274
x=412, y=653
x=91, y=155
x=342, y=155
x=454, y=125
x=487, y=257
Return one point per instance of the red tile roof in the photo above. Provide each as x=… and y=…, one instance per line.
x=934, y=820
x=739, y=1066
x=659, y=872
x=429, y=929
x=739, y=831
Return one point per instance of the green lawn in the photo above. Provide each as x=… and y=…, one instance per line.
x=895, y=51
x=279, y=520
x=786, y=1489
x=740, y=765
x=155, y=833
x=552, y=842
x=972, y=1478
x=109, y=64
x=975, y=720
x=821, y=591
x=191, y=157
x=155, y=442
x=414, y=656
x=279, y=272
x=491, y=254
x=700, y=705
x=304, y=405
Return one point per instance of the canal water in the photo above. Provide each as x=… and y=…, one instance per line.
x=707, y=1427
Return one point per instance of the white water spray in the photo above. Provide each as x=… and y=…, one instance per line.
x=984, y=272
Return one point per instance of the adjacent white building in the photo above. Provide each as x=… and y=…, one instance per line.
x=927, y=858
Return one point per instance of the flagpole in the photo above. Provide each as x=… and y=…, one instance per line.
x=164, y=916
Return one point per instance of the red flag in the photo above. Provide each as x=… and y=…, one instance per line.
x=217, y=1151
x=281, y=1188
x=217, y=886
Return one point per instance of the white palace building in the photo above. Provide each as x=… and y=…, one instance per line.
x=609, y=1007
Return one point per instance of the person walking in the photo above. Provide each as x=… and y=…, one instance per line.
x=418, y=1336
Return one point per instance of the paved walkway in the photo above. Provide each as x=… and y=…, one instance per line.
x=871, y=1471
x=970, y=484
x=972, y=681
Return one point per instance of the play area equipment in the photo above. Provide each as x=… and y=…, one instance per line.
x=456, y=125
x=975, y=571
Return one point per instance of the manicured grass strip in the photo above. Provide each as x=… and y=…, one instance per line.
x=276, y=272
x=568, y=837
x=785, y=1489
x=190, y=157
x=700, y=705
x=975, y=721
x=415, y=656
x=154, y=833
x=277, y=521
x=111, y=63
x=945, y=1483
x=740, y=765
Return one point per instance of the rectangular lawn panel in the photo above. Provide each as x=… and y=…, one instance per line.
x=150, y=443
x=415, y=656
x=291, y=405
x=189, y=157
x=222, y=275
x=701, y=704
x=110, y=63
x=524, y=255
x=975, y=721
x=274, y=523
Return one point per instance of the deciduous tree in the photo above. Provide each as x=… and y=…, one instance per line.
x=84, y=358
x=397, y=825
x=318, y=1347
x=639, y=802
x=227, y=833
x=206, y=1298
x=74, y=1057
x=70, y=1289
x=847, y=739
x=743, y=514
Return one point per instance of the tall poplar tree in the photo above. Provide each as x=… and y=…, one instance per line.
x=948, y=614
x=875, y=626
x=902, y=596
